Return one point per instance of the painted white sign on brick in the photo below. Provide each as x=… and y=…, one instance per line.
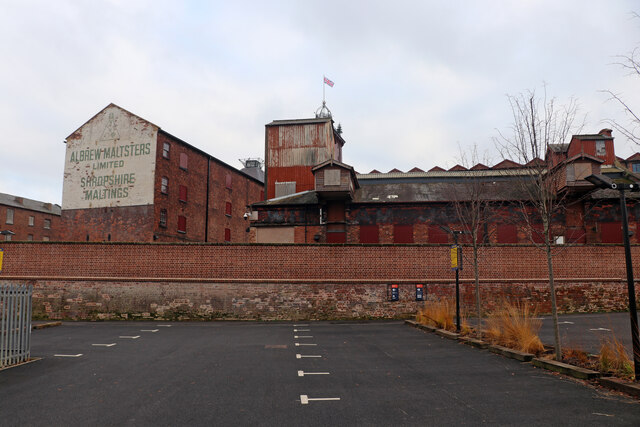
x=110, y=161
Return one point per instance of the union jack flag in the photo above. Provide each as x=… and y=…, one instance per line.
x=328, y=82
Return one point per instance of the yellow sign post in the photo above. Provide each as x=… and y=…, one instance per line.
x=1, y=253
x=454, y=257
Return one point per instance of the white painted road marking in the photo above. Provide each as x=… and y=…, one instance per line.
x=104, y=345
x=300, y=325
x=566, y=322
x=149, y=330
x=300, y=356
x=165, y=326
x=131, y=338
x=67, y=355
x=303, y=336
x=298, y=344
x=304, y=399
x=301, y=330
x=303, y=373
x=601, y=329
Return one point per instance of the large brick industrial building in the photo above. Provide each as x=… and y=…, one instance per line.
x=126, y=179
x=314, y=197
x=26, y=219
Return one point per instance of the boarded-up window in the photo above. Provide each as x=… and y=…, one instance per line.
x=611, y=232
x=582, y=170
x=183, y=193
x=600, y=148
x=32, y=221
x=227, y=235
x=227, y=208
x=184, y=160
x=9, y=216
x=507, y=233
x=165, y=150
x=575, y=235
x=437, y=235
x=466, y=237
x=403, y=234
x=47, y=224
x=228, y=181
x=369, y=234
x=285, y=188
x=332, y=177
x=182, y=224
x=336, y=237
x=537, y=233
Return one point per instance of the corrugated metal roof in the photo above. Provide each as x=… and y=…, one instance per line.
x=32, y=205
x=299, y=121
x=449, y=174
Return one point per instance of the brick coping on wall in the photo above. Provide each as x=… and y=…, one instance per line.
x=305, y=281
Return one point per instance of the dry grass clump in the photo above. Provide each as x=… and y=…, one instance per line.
x=438, y=313
x=614, y=358
x=515, y=326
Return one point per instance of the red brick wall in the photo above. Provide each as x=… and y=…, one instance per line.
x=21, y=226
x=101, y=224
x=194, y=178
x=306, y=281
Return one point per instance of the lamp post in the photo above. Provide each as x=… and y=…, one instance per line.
x=602, y=181
x=457, y=267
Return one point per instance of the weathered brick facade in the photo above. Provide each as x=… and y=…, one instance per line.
x=187, y=194
x=91, y=281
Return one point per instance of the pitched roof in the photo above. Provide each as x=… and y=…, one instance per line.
x=507, y=164
x=32, y=205
x=559, y=148
x=479, y=166
x=458, y=168
x=436, y=169
x=394, y=170
x=416, y=169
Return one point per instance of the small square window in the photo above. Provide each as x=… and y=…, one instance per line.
x=9, y=216
x=30, y=237
x=47, y=224
x=163, y=218
x=45, y=238
x=32, y=220
x=165, y=150
x=164, y=185
x=183, y=193
x=182, y=224
x=227, y=209
x=184, y=160
x=636, y=167
x=227, y=235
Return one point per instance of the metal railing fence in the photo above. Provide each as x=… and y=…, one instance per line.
x=15, y=324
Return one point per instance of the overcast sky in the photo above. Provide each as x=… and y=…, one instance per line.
x=414, y=80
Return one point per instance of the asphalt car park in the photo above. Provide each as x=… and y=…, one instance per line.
x=289, y=373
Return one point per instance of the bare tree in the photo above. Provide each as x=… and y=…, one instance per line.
x=472, y=204
x=538, y=123
x=631, y=64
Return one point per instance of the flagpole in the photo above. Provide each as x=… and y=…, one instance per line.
x=323, y=85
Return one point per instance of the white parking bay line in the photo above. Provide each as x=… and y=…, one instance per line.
x=165, y=326
x=67, y=355
x=566, y=322
x=303, y=373
x=149, y=330
x=304, y=399
x=300, y=356
x=601, y=329
x=303, y=336
x=299, y=344
x=301, y=330
x=131, y=338
x=104, y=345
x=299, y=325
